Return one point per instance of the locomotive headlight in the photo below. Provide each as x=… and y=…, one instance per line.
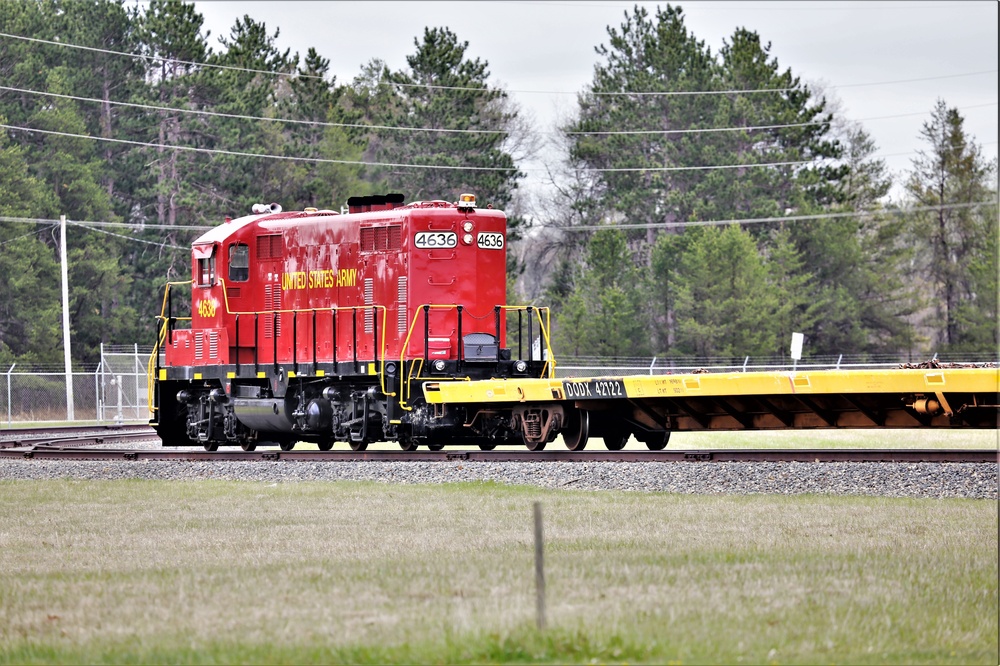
x=467, y=226
x=520, y=366
x=467, y=239
x=439, y=365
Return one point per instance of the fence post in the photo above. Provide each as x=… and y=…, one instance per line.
x=9, y=397
x=539, y=570
x=137, y=367
x=97, y=387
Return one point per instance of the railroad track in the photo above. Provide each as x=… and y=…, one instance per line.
x=80, y=442
x=62, y=451
x=76, y=435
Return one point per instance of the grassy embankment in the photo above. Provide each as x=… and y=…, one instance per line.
x=241, y=572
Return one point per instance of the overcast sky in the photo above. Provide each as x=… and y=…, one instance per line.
x=543, y=51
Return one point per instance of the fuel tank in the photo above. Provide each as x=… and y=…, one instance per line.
x=264, y=414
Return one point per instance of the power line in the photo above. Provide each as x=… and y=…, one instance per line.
x=17, y=238
x=761, y=127
x=317, y=123
x=88, y=223
x=485, y=89
x=139, y=56
x=925, y=78
x=217, y=114
x=290, y=158
x=784, y=218
x=167, y=246
x=321, y=160
x=92, y=225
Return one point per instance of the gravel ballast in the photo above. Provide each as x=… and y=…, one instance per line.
x=914, y=480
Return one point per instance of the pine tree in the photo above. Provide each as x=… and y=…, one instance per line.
x=29, y=274
x=458, y=121
x=954, y=241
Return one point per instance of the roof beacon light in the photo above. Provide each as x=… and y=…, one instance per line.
x=466, y=201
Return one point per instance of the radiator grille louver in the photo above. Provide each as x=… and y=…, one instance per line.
x=382, y=239
x=401, y=297
x=369, y=300
x=272, y=301
x=269, y=247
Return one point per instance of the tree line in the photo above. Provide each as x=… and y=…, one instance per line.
x=131, y=123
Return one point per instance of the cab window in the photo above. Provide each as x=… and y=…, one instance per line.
x=206, y=271
x=239, y=263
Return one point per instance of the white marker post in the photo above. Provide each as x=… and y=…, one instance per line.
x=797, y=340
x=70, y=416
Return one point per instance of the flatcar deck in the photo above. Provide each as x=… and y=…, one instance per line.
x=883, y=398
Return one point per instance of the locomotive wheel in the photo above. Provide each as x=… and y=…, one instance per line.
x=435, y=447
x=211, y=446
x=286, y=445
x=358, y=446
x=248, y=446
x=325, y=445
x=407, y=444
x=488, y=446
x=616, y=442
x=577, y=429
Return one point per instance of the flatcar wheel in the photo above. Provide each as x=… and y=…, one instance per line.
x=286, y=445
x=658, y=444
x=407, y=444
x=211, y=446
x=248, y=446
x=487, y=446
x=535, y=446
x=616, y=442
x=435, y=447
x=358, y=446
x=325, y=445
x=577, y=429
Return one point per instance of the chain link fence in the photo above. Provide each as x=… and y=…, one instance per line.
x=116, y=391
x=113, y=392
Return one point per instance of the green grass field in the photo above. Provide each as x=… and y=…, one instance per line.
x=241, y=572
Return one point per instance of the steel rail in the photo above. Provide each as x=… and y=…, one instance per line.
x=47, y=452
x=96, y=434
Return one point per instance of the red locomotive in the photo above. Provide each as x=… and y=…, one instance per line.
x=320, y=326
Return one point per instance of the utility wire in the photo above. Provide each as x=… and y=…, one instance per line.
x=199, y=112
x=85, y=225
x=290, y=158
x=321, y=160
x=481, y=89
x=127, y=225
x=317, y=123
x=784, y=218
x=754, y=220
x=36, y=231
x=139, y=56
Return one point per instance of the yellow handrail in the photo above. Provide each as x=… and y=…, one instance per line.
x=151, y=365
x=416, y=369
x=334, y=308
